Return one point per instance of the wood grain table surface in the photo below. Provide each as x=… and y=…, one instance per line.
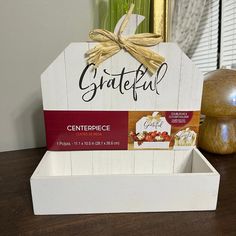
x=17, y=218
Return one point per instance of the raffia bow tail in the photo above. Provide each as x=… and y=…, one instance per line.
x=148, y=58
x=99, y=54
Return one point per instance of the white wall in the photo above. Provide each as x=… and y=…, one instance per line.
x=32, y=34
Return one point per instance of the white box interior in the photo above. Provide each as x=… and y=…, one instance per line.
x=149, y=162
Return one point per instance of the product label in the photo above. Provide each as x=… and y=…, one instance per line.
x=85, y=130
x=163, y=129
x=120, y=130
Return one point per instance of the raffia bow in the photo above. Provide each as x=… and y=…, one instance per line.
x=111, y=43
x=153, y=118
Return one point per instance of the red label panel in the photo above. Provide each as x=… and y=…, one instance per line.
x=178, y=118
x=86, y=130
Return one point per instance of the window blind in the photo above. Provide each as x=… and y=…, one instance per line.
x=228, y=34
x=204, y=49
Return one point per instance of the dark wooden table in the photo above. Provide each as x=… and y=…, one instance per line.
x=17, y=218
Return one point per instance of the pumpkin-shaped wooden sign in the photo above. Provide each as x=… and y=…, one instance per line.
x=88, y=107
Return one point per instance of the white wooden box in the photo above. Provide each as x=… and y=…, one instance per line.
x=74, y=182
x=151, y=181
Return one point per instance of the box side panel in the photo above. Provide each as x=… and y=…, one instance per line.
x=163, y=161
x=143, y=162
x=201, y=164
x=82, y=164
x=106, y=194
x=183, y=161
